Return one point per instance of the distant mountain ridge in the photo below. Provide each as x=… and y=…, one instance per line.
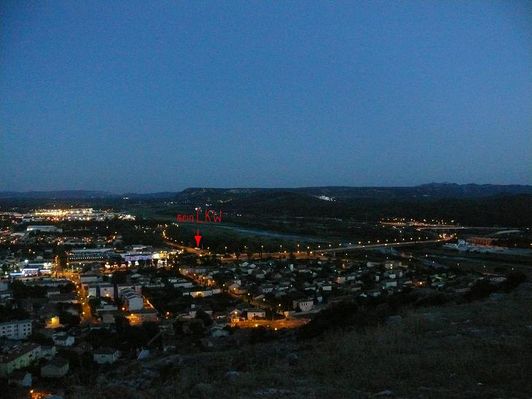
x=427, y=191
x=472, y=204
x=59, y=194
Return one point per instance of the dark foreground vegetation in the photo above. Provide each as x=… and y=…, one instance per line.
x=372, y=312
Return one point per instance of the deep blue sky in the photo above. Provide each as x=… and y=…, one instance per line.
x=151, y=96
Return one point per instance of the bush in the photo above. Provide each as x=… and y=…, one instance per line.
x=481, y=289
x=513, y=279
x=334, y=317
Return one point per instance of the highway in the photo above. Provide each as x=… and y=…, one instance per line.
x=316, y=253
x=382, y=245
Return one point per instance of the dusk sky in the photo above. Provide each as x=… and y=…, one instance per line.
x=150, y=96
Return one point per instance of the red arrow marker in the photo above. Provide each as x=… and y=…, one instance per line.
x=197, y=237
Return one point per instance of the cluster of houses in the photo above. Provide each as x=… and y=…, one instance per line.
x=84, y=247
x=17, y=355
x=295, y=288
x=117, y=299
x=302, y=288
x=19, y=349
x=51, y=235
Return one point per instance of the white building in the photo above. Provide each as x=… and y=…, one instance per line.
x=63, y=339
x=16, y=329
x=198, y=293
x=107, y=290
x=305, y=305
x=136, y=288
x=20, y=378
x=90, y=278
x=105, y=355
x=19, y=357
x=55, y=368
x=256, y=314
x=132, y=300
x=89, y=255
x=44, y=228
x=389, y=283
